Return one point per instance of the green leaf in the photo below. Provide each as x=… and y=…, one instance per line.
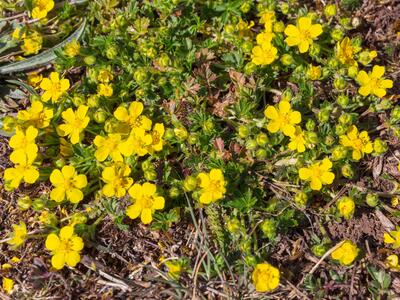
x=24, y=85
x=43, y=58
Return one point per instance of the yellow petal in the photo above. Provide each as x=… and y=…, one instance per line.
x=304, y=46
x=68, y=172
x=158, y=203
x=66, y=232
x=76, y=243
x=304, y=23
x=146, y=216
x=57, y=194
x=148, y=189
x=271, y=113
x=58, y=260
x=292, y=30
x=377, y=71
x=72, y=258
x=304, y=173
x=52, y=242
x=315, y=184
x=74, y=195
x=133, y=211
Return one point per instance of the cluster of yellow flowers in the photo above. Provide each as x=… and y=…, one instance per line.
x=23, y=156
x=32, y=40
x=265, y=53
x=41, y=8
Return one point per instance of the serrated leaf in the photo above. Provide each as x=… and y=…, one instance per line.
x=43, y=58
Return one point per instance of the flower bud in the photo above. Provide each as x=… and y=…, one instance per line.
x=329, y=140
x=150, y=175
x=330, y=10
x=245, y=7
x=78, y=100
x=78, y=218
x=233, y=225
x=279, y=27
x=38, y=204
x=140, y=76
x=301, y=199
x=346, y=207
x=310, y=125
x=174, y=192
x=352, y=72
x=311, y=137
x=261, y=139
x=347, y=171
x=111, y=52
x=338, y=153
x=342, y=100
x=251, y=144
x=261, y=153
x=190, y=183
x=380, y=147
x=339, y=83
x=90, y=60
x=243, y=131
x=337, y=34
x=287, y=59
x=24, y=203
x=181, y=133
x=100, y=116
x=93, y=101
x=319, y=250
x=372, y=199
x=268, y=227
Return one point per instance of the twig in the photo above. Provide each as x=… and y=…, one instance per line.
x=296, y=290
x=196, y=271
x=320, y=261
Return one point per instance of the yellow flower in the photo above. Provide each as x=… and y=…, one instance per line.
x=282, y=119
x=264, y=38
x=36, y=115
x=65, y=248
x=212, y=186
x=303, y=34
x=8, y=285
x=359, y=142
x=117, y=180
x=41, y=8
x=137, y=143
x=65, y=148
x=133, y=116
x=32, y=43
x=108, y=146
x=23, y=170
x=392, y=262
x=346, y=253
x=34, y=79
x=23, y=144
x=314, y=72
x=297, y=141
x=345, y=52
x=18, y=34
x=264, y=54
x=74, y=123
x=72, y=49
x=318, y=174
x=67, y=184
x=105, y=90
x=346, y=206
x=267, y=16
x=18, y=235
x=157, y=137
x=265, y=277
x=54, y=87
x=146, y=201
x=174, y=268
x=105, y=76
x=393, y=237
x=373, y=83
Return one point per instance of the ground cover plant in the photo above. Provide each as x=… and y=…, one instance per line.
x=184, y=149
